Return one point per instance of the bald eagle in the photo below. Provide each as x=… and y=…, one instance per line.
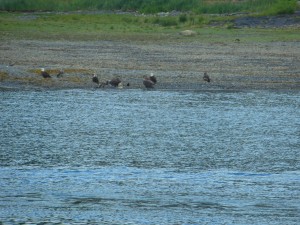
x=148, y=83
x=95, y=79
x=115, y=82
x=206, y=77
x=45, y=74
x=153, y=78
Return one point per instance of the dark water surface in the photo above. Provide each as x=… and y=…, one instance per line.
x=149, y=157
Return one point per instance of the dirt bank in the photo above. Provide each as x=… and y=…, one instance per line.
x=177, y=65
x=279, y=21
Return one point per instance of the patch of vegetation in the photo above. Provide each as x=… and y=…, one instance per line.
x=24, y=80
x=282, y=7
x=91, y=27
x=55, y=71
x=165, y=21
x=183, y=18
x=3, y=76
x=153, y=6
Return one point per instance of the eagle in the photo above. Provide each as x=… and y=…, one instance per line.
x=115, y=82
x=44, y=73
x=153, y=78
x=206, y=77
x=148, y=83
x=95, y=79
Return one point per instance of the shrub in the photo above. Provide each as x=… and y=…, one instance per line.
x=166, y=21
x=153, y=6
x=283, y=7
x=182, y=18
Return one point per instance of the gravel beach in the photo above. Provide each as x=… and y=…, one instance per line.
x=178, y=65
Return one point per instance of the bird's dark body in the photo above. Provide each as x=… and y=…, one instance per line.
x=114, y=82
x=206, y=77
x=153, y=79
x=148, y=83
x=95, y=80
x=45, y=74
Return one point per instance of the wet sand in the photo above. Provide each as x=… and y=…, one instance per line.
x=178, y=65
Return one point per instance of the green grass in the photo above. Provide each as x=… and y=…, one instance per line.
x=281, y=7
x=85, y=27
x=84, y=24
x=154, y=6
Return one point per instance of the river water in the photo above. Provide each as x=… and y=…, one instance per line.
x=149, y=157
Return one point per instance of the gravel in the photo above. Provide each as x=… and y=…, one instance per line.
x=177, y=65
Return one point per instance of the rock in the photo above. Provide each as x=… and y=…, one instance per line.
x=188, y=33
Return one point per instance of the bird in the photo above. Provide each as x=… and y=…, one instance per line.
x=60, y=73
x=44, y=73
x=206, y=77
x=153, y=78
x=95, y=79
x=148, y=83
x=115, y=82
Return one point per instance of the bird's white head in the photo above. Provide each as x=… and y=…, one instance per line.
x=43, y=69
x=151, y=75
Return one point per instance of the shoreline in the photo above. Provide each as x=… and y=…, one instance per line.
x=177, y=65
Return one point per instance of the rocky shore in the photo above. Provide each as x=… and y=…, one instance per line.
x=177, y=65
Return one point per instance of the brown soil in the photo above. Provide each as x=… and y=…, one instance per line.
x=177, y=65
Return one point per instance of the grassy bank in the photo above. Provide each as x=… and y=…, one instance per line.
x=154, y=6
x=74, y=26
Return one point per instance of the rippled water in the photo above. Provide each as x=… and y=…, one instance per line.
x=149, y=157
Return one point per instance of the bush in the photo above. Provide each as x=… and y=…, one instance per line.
x=153, y=6
x=182, y=18
x=283, y=7
x=166, y=21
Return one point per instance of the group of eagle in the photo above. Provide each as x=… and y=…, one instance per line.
x=149, y=81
